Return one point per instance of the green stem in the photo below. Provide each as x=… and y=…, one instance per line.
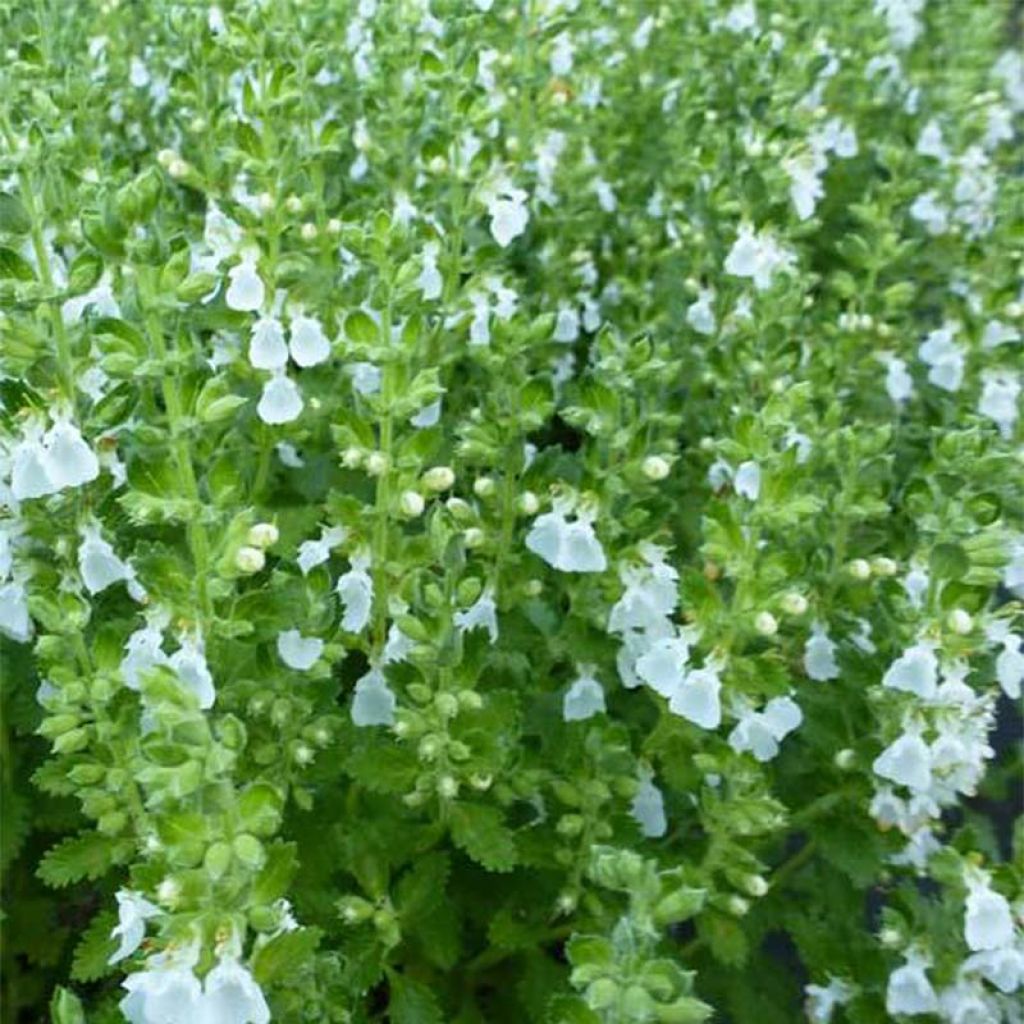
x=382, y=498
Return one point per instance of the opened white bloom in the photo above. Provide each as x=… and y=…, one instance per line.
x=648, y=809
x=355, y=588
x=316, y=552
x=267, y=348
x=397, y=646
x=482, y=614
x=820, y=655
x=143, y=651
x=430, y=282
x=584, y=698
x=166, y=992
x=281, y=401
x=663, y=665
x=246, y=291
x=651, y=592
x=1010, y=666
x=997, y=333
x=760, y=732
x=930, y=142
x=428, y=416
x=907, y=762
x=805, y=185
x=133, y=911
x=365, y=377
x=909, y=991
x=567, y=325
x=99, y=565
x=822, y=1000
x=307, y=342
x=30, y=476
x=561, y=54
x=758, y=256
x=564, y=545
x=299, y=652
x=1003, y=967
x=189, y=662
x=373, y=702
x=1000, y=395
x=747, y=480
x=916, y=671
x=930, y=211
x=509, y=216
x=898, y=383
x=700, y=315
x=697, y=698
x=988, y=923
x=944, y=358
x=15, y=621
x=232, y=996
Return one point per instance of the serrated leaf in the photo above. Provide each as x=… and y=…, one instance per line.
x=383, y=769
x=89, y=855
x=479, y=830
x=281, y=956
x=276, y=875
x=94, y=949
x=422, y=888
x=411, y=1001
x=14, y=219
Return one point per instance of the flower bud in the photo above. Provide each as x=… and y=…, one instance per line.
x=293, y=204
x=411, y=503
x=766, y=624
x=844, y=759
x=474, y=537
x=263, y=535
x=265, y=202
x=484, y=487
x=655, y=467
x=308, y=231
x=250, y=559
x=737, y=906
x=883, y=566
x=168, y=892
x=533, y=588
x=354, y=909
x=334, y=227
x=528, y=503
x=178, y=169
x=794, y=603
x=859, y=569
x=447, y=787
x=960, y=621
x=447, y=705
x=438, y=478
x=376, y=463
x=755, y=885
x=352, y=458
x=437, y=165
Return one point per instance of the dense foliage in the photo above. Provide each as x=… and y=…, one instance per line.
x=511, y=510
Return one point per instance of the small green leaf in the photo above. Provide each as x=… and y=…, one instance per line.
x=411, y=1001
x=479, y=830
x=359, y=327
x=14, y=219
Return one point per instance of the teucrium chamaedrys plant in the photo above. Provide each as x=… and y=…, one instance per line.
x=511, y=511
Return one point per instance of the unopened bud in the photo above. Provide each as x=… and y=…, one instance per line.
x=484, y=486
x=308, y=231
x=438, y=478
x=250, y=559
x=411, y=503
x=883, y=566
x=655, y=467
x=960, y=621
x=766, y=624
x=859, y=569
x=528, y=503
x=263, y=535
x=794, y=603
x=376, y=463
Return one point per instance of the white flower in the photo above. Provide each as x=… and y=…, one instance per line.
x=567, y=325
x=166, y=992
x=133, y=911
x=663, y=666
x=99, y=565
x=997, y=333
x=30, y=477
x=999, y=397
x=697, y=698
x=760, y=732
x=909, y=991
x=483, y=614
x=898, y=383
x=916, y=584
x=1003, y=967
x=365, y=377
x=355, y=588
x=430, y=282
x=373, y=703
x=508, y=213
x=930, y=142
x=907, y=762
x=189, y=662
x=742, y=18
x=748, y=480
x=758, y=256
x=916, y=671
x=944, y=357
x=307, y=342
x=648, y=810
x=823, y=999
x=584, y=698
x=651, y=593
x=1010, y=666
x=931, y=212
x=143, y=652
x=805, y=187
x=316, y=552
x=299, y=652
x=232, y=996
x=820, y=655
x=267, y=348
x=561, y=54
x=281, y=401
x=428, y=416
x=15, y=621
x=700, y=315
x=397, y=647
x=988, y=923
x=246, y=291
x=70, y=462
x=567, y=546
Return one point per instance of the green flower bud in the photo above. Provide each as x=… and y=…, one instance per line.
x=249, y=850
x=217, y=860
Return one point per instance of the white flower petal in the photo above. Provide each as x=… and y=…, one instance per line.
x=281, y=401
x=299, y=652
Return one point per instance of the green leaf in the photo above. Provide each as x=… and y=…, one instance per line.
x=85, y=271
x=277, y=873
x=88, y=855
x=422, y=888
x=359, y=327
x=94, y=949
x=389, y=769
x=479, y=830
x=411, y=1001
x=14, y=265
x=14, y=219
x=282, y=955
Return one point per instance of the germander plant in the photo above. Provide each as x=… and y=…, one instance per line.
x=511, y=511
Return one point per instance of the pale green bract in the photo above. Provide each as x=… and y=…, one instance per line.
x=511, y=511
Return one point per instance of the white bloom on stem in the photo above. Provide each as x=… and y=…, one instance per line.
x=747, y=480
x=648, y=809
x=165, y=992
x=759, y=256
x=316, y=552
x=355, y=588
x=930, y=211
x=1010, y=666
x=584, y=698
x=1003, y=967
x=99, y=565
x=561, y=54
x=15, y=621
x=482, y=614
x=299, y=652
x=567, y=325
x=232, y=996
x=428, y=416
x=988, y=922
x=907, y=762
x=281, y=401
x=133, y=911
x=822, y=1000
x=805, y=186
x=760, y=732
x=267, y=348
x=909, y=991
x=1000, y=395
x=820, y=655
x=564, y=545
x=307, y=342
x=69, y=461
x=366, y=377
x=508, y=213
x=143, y=651
x=189, y=662
x=30, y=475
x=246, y=291
x=915, y=671
x=663, y=666
x=373, y=702
x=430, y=282
x=700, y=314
x=697, y=698
x=899, y=385
x=944, y=358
